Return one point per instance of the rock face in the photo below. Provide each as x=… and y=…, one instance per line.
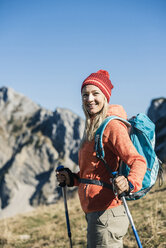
x=33, y=142
x=157, y=113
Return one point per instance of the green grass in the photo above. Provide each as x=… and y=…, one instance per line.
x=46, y=226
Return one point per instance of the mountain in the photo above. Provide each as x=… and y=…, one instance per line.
x=157, y=113
x=33, y=142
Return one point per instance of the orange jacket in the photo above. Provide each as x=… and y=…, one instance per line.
x=117, y=145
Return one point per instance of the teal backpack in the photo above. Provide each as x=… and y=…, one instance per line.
x=142, y=135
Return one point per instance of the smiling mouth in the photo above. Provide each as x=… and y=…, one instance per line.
x=91, y=106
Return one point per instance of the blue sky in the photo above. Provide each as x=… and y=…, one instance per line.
x=48, y=47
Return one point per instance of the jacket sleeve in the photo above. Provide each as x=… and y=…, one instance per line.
x=76, y=178
x=120, y=144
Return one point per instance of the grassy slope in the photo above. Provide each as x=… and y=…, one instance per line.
x=46, y=226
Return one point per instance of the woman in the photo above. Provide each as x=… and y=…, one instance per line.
x=106, y=218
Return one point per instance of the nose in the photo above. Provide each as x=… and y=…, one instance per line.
x=90, y=98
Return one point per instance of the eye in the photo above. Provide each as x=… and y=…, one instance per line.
x=85, y=95
x=96, y=93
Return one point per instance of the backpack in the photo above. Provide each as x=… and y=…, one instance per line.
x=142, y=135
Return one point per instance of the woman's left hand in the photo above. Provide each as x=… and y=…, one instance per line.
x=121, y=184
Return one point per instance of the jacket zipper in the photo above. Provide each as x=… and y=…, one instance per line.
x=86, y=186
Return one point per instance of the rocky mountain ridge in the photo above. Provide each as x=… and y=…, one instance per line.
x=157, y=113
x=33, y=142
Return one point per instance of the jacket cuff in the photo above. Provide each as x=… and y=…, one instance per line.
x=131, y=186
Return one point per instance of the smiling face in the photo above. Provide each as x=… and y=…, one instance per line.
x=93, y=99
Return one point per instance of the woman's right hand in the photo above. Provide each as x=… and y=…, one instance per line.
x=63, y=177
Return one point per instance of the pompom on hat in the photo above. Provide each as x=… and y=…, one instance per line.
x=101, y=79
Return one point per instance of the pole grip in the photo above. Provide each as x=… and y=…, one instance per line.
x=61, y=168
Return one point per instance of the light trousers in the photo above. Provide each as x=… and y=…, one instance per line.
x=106, y=229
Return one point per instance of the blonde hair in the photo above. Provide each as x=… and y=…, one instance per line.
x=92, y=124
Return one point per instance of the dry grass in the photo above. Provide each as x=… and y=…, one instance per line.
x=46, y=226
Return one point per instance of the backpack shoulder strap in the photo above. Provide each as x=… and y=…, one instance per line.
x=99, y=134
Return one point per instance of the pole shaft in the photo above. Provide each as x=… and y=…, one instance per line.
x=131, y=222
x=67, y=215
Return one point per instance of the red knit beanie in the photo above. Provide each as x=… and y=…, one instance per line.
x=101, y=79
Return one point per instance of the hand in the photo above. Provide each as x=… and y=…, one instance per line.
x=121, y=184
x=63, y=177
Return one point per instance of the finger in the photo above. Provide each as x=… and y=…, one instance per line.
x=119, y=178
x=122, y=185
x=119, y=190
x=61, y=178
x=61, y=175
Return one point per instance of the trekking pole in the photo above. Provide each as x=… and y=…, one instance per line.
x=131, y=222
x=63, y=185
x=122, y=197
